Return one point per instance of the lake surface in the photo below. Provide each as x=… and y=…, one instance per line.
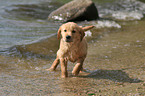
x=115, y=63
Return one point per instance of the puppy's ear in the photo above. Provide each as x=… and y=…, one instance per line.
x=87, y=28
x=59, y=33
x=82, y=34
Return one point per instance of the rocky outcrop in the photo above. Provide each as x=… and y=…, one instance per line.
x=76, y=10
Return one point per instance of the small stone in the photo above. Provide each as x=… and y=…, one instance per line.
x=91, y=93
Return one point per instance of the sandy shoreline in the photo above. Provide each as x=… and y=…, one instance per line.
x=115, y=65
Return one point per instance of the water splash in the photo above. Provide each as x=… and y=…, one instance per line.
x=88, y=33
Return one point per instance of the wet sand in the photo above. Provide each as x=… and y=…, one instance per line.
x=115, y=65
x=119, y=60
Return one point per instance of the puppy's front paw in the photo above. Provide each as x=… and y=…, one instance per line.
x=50, y=69
x=64, y=75
x=75, y=73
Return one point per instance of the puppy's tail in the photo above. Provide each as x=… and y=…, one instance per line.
x=88, y=28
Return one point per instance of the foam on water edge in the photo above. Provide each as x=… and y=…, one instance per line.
x=122, y=15
x=107, y=23
x=123, y=10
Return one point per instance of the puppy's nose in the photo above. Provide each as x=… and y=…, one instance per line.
x=68, y=37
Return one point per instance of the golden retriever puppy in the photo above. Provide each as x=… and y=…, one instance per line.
x=73, y=47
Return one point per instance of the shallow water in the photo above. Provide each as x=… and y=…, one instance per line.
x=114, y=66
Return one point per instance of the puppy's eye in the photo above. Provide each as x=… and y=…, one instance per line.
x=65, y=30
x=73, y=31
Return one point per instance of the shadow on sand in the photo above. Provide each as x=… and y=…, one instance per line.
x=114, y=75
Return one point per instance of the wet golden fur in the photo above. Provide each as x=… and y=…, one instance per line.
x=73, y=47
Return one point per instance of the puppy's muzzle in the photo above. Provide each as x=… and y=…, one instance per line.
x=68, y=38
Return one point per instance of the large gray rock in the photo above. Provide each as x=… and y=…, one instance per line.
x=76, y=10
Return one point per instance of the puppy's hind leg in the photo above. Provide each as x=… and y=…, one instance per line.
x=54, y=65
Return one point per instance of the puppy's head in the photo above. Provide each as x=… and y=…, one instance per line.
x=71, y=32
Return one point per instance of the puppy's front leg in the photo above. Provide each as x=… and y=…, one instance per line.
x=63, y=68
x=78, y=67
x=54, y=65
